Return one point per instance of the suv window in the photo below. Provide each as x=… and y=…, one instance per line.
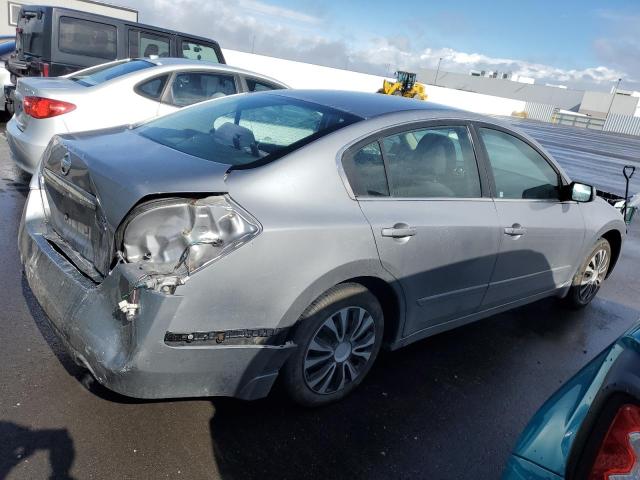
x=193, y=87
x=142, y=44
x=198, y=51
x=152, y=88
x=259, y=86
x=432, y=162
x=365, y=171
x=100, y=74
x=518, y=169
x=84, y=37
x=245, y=129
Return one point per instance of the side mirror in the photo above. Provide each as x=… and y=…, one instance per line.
x=578, y=192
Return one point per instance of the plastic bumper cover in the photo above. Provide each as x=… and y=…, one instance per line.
x=130, y=356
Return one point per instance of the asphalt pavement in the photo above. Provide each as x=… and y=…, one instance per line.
x=588, y=156
x=449, y=407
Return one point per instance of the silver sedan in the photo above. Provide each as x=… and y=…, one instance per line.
x=295, y=233
x=117, y=93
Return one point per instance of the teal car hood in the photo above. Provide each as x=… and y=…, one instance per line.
x=549, y=436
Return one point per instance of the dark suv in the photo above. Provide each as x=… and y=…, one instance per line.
x=54, y=41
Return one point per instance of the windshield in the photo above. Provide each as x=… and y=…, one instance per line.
x=245, y=129
x=98, y=75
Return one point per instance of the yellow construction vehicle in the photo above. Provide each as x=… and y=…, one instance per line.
x=405, y=85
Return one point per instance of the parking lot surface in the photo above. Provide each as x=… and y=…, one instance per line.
x=591, y=157
x=449, y=407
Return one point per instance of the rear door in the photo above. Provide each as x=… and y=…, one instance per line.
x=143, y=43
x=541, y=237
x=435, y=231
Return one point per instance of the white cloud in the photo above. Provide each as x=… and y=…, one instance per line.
x=276, y=11
x=297, y=35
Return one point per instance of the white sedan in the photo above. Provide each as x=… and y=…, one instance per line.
x=116, y=93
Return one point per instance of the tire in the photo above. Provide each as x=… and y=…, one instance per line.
x=331, y=360
x=397, y=93
x=588, y=280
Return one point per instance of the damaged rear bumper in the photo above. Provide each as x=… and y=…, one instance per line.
x=131, y=355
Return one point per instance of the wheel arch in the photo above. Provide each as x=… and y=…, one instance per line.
x=614, y=237
x=373, y=277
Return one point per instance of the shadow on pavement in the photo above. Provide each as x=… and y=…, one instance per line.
x=412, y=414
x=17, y=443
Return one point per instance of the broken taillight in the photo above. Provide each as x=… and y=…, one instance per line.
x=618, y=456
x=38, y=107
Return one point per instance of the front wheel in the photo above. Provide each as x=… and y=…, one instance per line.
x=338, y=338
x=589, y=278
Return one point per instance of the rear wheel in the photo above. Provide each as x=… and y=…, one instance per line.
x=338, y=338
x=590, y=276
x=397, y=93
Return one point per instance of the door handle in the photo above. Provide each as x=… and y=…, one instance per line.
x=399, y=231
x=515, y=230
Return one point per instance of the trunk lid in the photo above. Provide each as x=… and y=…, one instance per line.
x=55, y=88
x=92, y=180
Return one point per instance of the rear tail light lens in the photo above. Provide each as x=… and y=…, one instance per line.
x=619, y=454
x=45, y=69
x=179, y=236
x=38, y=107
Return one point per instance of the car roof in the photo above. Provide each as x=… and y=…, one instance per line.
x=365, y=105
x=176, y=63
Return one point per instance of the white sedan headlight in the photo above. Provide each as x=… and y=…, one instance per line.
x=178, y=235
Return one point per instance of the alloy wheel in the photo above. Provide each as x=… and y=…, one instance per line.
x=594, y=275
x=339, y=350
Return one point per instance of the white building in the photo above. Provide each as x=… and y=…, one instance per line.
x=9, y=10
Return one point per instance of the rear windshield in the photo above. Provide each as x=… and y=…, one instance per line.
x=101, y=74
x=245, y=130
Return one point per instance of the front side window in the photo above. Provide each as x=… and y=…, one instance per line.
x=518, y=169
x=432, y=162
x=241, y=130
x=365, y=171
x=193, y=87
x=84, y=37
x=198, y=51
x=101, y=74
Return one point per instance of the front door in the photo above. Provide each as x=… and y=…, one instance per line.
x=434, y=231
x=541, y=237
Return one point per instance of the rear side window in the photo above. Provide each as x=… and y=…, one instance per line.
x=193, y=87
x=152, y=88
x=198, y=51
x=432, y=162
x=143, y=44
x=260, y=86
x=83, y=37
x=98, y=75
x=365, y=171
x=518, y=169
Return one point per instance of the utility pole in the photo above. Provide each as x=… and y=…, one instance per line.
x=253, y=43
x=437, y=72
x=613, y=97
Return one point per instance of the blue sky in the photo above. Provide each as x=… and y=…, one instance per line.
x=577, y=43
